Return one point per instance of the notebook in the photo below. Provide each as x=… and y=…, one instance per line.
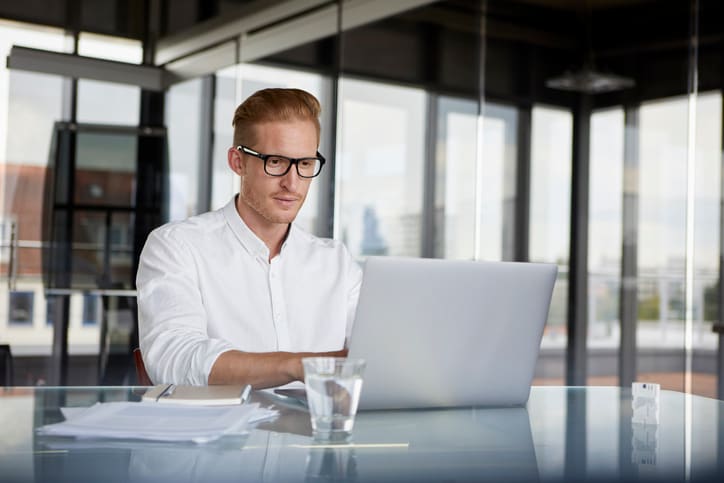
x=447, y=333
x=213, y=395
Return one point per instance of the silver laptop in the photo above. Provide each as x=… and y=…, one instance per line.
x=445, y=333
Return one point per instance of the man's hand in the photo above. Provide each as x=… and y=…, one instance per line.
x=262, y=370
x=298, y=370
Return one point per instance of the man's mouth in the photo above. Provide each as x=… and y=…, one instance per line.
x=286, y=200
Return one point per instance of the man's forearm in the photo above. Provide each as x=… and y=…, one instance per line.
x=261, y=370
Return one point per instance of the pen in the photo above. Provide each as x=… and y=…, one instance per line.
x=245, y=393
x=167, y=391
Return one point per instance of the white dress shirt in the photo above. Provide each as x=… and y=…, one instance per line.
x=206, y=286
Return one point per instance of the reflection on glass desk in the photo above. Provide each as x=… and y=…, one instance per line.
x=563, y=434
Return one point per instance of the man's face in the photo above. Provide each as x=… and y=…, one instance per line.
x=268, y=200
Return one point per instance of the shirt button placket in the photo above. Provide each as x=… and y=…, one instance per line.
x=277, y=298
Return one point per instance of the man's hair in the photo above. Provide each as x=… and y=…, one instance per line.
x=273, y=105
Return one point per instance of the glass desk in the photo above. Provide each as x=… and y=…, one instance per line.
x=564, y=434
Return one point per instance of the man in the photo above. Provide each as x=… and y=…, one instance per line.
x=241, y=294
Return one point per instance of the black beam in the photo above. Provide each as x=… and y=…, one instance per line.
x=578, y=270
x=428, y=192
x=628, y=308
x=719, y=325
x=522, y=189
x=206, y=143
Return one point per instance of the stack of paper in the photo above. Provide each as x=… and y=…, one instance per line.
x=140, y=420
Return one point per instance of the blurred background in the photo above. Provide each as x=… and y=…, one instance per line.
x=586, y=133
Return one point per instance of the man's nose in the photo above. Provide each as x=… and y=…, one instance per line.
x=291, y=179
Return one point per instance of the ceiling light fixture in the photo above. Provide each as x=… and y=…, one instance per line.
x=587, y=80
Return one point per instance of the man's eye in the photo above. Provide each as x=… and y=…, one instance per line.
x=274, y=161
x=306, y=163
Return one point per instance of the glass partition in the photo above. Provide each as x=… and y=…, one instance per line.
x=475, y=180
x=605, y=214
x=706, y=251
x=380, y=168
x=456, y=178
x=30, y=104
x=498, y=191
x=550, y=201
x=662, y=240
x=183, y=118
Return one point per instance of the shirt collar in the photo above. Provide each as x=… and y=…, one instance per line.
x=252, y=243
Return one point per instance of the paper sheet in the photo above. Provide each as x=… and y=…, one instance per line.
x=151, y=421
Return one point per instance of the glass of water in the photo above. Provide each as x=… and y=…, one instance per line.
x=333, y=388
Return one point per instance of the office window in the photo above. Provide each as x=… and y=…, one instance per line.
x=224, y=182
x=34, y=103
x=707, y=212
x=105, y=171
x=108, y=103
x=456, y=178
x=662, y=239
x=45, y=100
x=20, y=307
x=91, y=309
x=661, y=327
x=550, y=199
x=605, y=236
x=498, y=182
x=706, y=241
x=380, y=164
x=475, y=197
x=183, y=118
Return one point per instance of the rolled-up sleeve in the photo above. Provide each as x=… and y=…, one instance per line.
x=173, y=334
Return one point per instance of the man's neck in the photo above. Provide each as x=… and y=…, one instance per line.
x=272, y=234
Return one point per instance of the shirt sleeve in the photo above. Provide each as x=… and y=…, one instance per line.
x=171, y=317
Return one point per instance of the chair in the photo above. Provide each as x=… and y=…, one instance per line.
x=6, y=365
x=141, y=374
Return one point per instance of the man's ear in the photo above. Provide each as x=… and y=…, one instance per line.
x=236, y=161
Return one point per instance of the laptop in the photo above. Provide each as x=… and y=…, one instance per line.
x=449, y=333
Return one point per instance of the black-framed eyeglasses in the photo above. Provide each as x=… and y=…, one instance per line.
x=278, y=165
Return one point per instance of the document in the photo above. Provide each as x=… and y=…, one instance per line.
x=151, y=421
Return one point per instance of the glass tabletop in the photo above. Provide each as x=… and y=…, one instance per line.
x=563, y=434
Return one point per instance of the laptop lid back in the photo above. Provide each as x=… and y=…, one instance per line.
x=444, y=333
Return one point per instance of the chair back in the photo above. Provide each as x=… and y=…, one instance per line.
x=141, y=374
x=6, y=365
